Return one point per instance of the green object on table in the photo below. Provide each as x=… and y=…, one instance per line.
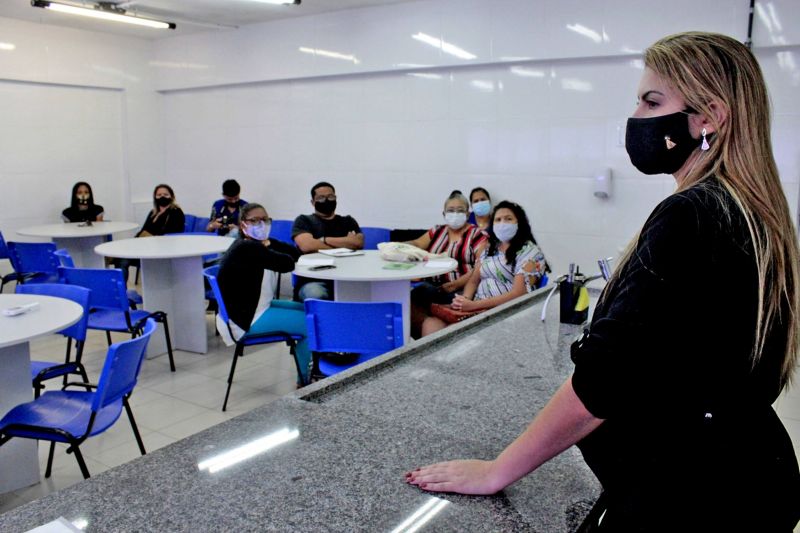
x=398, y=266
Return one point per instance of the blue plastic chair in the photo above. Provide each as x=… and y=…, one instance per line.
x=248, y=340
x=281, y=230
x=373, y=236
x=65, y=259
x=188, y=222
x=44, y=370
x=368, y=329
x=73, y=416
x=200, y=225
x=6, y=254
x=34, y=261
x=110, y=310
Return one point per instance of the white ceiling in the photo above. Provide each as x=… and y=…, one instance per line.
x=191, y=16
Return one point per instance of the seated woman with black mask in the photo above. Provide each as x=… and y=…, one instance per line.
x=82, y=207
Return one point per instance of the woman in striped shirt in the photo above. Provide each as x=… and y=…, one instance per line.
x=463, y=242
x=509, y=267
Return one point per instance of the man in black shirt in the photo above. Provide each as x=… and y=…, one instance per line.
x=323, y=230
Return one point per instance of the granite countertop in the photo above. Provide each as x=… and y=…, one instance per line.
x=464, y=392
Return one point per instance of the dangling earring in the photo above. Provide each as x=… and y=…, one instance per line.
x=705, y=145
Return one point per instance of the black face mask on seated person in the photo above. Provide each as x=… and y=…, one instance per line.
x=660, y=145
x=163, y=201
x=326, y=207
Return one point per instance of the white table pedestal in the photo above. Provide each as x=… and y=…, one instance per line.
x=378, y=291
x=19, y=458
x=175, y=286
x=81, y=249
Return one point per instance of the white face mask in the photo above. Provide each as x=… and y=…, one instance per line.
x=259, y=231
x=455, y=220
x=504, y=232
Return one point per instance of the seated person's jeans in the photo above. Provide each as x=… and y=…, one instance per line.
x=318, y=290
x=287, y=317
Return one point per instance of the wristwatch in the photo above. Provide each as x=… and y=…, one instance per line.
x=323, y=240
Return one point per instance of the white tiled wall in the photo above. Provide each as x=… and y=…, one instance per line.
x=73, y=105
x=533, y=116
x=536, y=109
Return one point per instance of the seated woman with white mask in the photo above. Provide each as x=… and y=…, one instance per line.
x=246, y=281
x=510, y=266
x=459, y=240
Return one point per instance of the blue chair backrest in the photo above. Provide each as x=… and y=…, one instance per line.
x=64, y=258
x=188, y=222
x=4, y=254
x=79, y=295
x=33, y=257
x=211, y=275
x=200, y=224
x=121, y=369
x=354, y=327
x=372, y=236
x=282, y=230
x=107, y=286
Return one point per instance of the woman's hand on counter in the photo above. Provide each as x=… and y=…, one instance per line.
x=467, y=476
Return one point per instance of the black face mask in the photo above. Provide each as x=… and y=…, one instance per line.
x=326, y=207
x=660, y=145
x=232, y=205
x=163, y=201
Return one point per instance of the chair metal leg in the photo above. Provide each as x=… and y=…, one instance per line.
x=133, y=425
x=236, y=354
x=50, y=455
x=79, y=457
x=163, y=320
x=108, y=337
x=293, y=351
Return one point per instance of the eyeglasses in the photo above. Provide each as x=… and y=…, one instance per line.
x=456, y=210
x=256, y=220
x=330, y=197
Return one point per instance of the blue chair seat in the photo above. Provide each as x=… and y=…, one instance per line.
x=113, y=320
x=134, y=297
x=39, y=413
x=329, y=368
x=277, y=336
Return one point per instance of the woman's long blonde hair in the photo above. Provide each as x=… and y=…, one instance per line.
x=708, y=68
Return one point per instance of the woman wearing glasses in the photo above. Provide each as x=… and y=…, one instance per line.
x=248, y=292
x=456, y=238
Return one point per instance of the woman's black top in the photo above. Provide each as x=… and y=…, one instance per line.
x=74, y=214
x=242, y=270
x=690, y=441
x=170, y=221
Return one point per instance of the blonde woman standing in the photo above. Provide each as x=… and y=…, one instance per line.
x=696, y=334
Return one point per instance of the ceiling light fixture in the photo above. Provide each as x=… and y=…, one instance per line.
x=279, y=2
x=103, y=11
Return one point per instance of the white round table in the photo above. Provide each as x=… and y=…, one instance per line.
x=79, y=239
x=363, y=278
x=19, y=459
x=172, y=281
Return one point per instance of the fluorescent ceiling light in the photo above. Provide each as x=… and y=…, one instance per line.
x=422, y=516
x=8, y=46
x=444, y=46
x=328, y=53
x=278, y=2
x=251, y=449
x=573, y=84
x=103, y=11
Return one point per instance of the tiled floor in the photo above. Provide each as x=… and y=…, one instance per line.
x=170, y=406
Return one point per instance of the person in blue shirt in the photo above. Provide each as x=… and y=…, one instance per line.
x=481, y=203
x=225, y=211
